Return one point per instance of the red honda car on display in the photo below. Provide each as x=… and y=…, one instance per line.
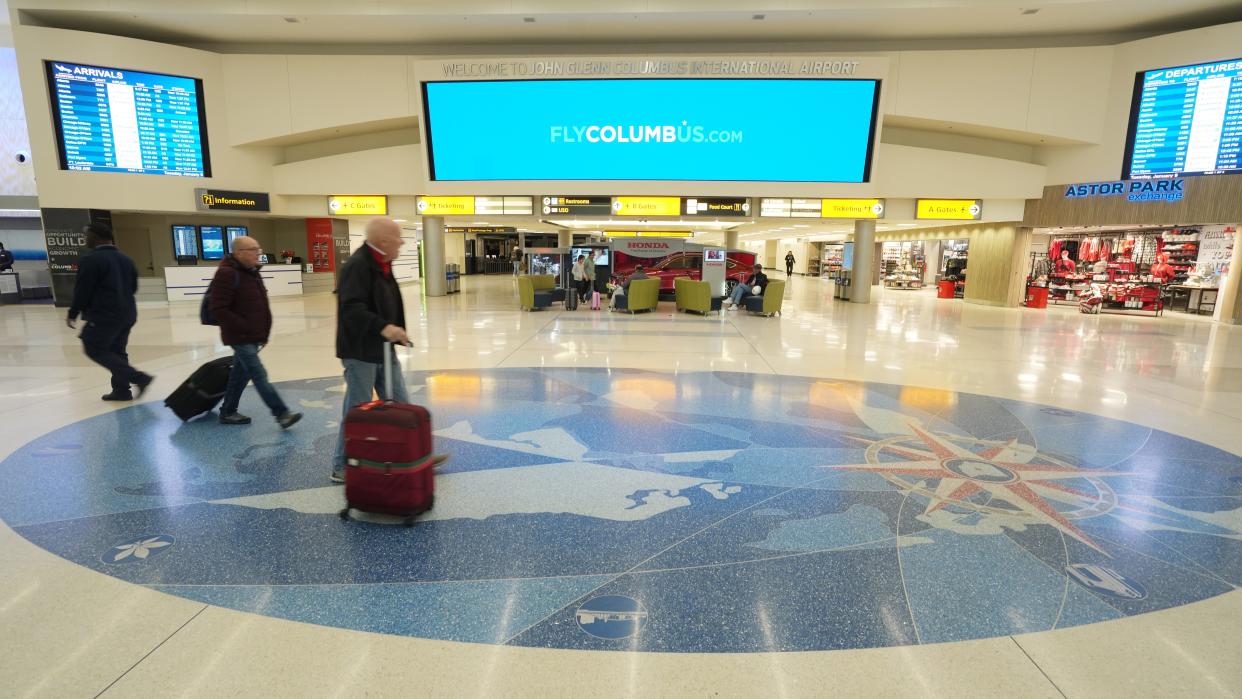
x=738, y=266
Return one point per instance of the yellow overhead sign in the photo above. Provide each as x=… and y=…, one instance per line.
x=648, y=234
x=949, y=209
x=366, y=205
x=446, y=206
x=851, y=208
x=646, y=206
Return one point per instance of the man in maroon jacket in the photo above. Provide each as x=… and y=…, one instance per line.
x=237, y=300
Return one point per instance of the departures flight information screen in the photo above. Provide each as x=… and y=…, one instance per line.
x=1186, y=121
x=116, y=120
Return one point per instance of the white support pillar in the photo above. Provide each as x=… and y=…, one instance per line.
x=864, y=261
x=433, y=254
x=730, y=240
x=564, y=239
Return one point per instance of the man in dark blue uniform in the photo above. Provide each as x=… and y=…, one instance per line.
x=104, y=296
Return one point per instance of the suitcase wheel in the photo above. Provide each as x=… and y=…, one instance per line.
x=408, y=522
x=345, y=513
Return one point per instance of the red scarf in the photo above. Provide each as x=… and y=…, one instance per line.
x=384, y=264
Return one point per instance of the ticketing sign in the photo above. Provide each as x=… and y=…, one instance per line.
x=851, y=208
x=445, y=206
x=577, y=206
x=949, y=209
x=716, y=206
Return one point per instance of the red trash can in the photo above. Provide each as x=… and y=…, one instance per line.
x=944, y=290
x=1036, y=297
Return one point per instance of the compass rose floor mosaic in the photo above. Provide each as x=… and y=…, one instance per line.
x=646, y=511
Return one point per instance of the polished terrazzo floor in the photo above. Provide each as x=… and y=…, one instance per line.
x=844, y=499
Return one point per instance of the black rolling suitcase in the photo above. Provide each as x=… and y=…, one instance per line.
x=202, y=391
x=571, y=300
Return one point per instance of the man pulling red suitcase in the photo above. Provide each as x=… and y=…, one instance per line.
x=388, y=441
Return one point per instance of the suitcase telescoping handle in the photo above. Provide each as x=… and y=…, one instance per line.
x=389, y=350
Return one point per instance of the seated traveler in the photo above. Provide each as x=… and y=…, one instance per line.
x=754, y=286
x=624, y=288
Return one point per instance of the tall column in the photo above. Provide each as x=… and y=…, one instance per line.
x=564, y=239
x=730, y=240
x=1229, y=298
x=864, y=261
x=522, y=241
x=433, y=254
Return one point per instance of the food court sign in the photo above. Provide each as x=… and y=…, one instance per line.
x=1132, y=190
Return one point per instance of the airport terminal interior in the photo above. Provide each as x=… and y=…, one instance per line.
x=973, y=430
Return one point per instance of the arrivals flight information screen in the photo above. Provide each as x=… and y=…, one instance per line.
x=721, y=129
x=115, y=120
x=1186, y=121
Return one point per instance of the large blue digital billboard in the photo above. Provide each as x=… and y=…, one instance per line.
x=1186, y=120
x=114, y=120
x=723, y=129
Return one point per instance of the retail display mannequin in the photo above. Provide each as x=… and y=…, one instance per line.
x=1065, y=265
x=1162, y=271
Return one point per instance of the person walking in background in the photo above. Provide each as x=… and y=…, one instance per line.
x=370, y=319
x=103, y=294
x=754, y=286
x=516, y=256
x=237, y=300
x=789, y=263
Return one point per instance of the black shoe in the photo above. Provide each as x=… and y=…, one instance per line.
x=117, y=396
x=288, y=419
x=142, y=385
x=234, y=419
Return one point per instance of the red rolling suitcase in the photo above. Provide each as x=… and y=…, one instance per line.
x=389, y=467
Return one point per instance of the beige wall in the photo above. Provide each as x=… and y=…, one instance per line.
x=16, y=179
x=1102, y=160
x=1020, y=90
x=247, y=169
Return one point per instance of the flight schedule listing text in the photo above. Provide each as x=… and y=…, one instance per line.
x=126, y=121
x=1189, y=121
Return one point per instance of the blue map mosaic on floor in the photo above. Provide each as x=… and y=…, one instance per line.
x=634, y=510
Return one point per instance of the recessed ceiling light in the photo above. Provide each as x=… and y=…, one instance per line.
x=1030, y=10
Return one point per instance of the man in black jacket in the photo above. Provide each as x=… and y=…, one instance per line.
x=237, y=300
x=103, y=294
x=754, y=286
x=370, y=318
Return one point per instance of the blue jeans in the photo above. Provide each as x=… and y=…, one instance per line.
x=362, y=381
x=738, y=292
x=247, y=368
